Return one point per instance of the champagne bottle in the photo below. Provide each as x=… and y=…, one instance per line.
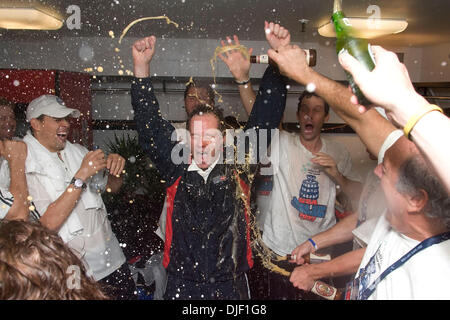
x=311, y=58
x=358, y=48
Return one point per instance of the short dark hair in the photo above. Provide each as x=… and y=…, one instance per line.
x=201, y=84
x=415, y=175
x=6, y=103
x=306, y=94
x=206, y=109
x=231, y=123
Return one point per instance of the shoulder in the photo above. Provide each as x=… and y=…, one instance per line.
x=336, y=149
x=334, y=145
x=288, y=137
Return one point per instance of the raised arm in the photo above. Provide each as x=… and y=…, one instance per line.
x=154, y=131
x=239, y=67
x=389, y=86
x=371, y=127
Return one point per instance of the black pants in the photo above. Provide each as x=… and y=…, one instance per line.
x=182, y=289
x=119, y=285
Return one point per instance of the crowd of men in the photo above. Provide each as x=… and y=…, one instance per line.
x=400, y=212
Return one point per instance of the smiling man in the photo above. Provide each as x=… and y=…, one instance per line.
x=58, y=173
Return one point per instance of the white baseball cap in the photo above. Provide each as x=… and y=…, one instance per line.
x=50, y=105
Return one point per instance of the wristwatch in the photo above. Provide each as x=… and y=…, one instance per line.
x=78, y=183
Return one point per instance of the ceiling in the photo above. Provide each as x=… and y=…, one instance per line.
x=214, y=19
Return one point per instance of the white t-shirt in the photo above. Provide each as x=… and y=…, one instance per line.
x=94, y=242
x=302, y=201
x=424, y=276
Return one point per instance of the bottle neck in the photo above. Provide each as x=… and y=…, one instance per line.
x=340, y=25
x=337, y=6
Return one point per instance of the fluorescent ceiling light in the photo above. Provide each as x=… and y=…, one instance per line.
x=367, y=28
x=28, y=18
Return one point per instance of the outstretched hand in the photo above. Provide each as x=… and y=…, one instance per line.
x=386, y=85
x=235, y=60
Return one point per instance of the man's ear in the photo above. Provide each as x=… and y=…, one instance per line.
x=327, y=117
x=35, y=124
x=417, y=202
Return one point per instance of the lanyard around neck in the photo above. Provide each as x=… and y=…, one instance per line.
x=423, y=245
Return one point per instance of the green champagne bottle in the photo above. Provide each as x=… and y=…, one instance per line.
x=358, y=48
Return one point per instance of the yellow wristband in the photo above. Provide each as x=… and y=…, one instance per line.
x=415, y=118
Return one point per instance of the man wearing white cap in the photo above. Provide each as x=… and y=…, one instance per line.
x=58, y=173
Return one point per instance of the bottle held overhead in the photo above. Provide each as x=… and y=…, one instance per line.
x=358, y=48
x=311, y=58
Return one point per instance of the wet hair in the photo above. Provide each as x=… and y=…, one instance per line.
x=306, y=94
x=201, y=84
x=206, y=109
x=415, y=175
x=231, y=123
x=35, y=264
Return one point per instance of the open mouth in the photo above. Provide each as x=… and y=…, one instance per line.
x=309, y=127
x=62, y=136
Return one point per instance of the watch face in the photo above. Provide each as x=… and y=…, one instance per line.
x=78, y=183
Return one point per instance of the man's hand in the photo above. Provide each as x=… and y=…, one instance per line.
x=327, y=163
x=143, y=51
x=301, y=277
x=13, y=151
x=291, y=61
x=115, y=164
x=236, y=62
x=298, y=253
x=276, y=35
x=387, y=85
x=93, y=162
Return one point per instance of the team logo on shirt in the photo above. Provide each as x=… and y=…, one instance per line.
x=306, y=203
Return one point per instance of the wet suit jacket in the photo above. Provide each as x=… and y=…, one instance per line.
x=207, y=224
